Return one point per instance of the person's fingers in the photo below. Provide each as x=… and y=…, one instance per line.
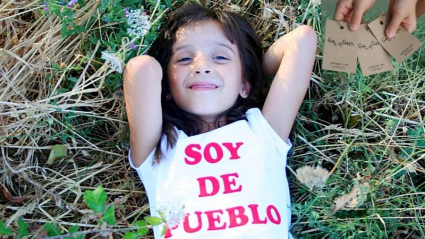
x=348, y=17
x=403, y=13
x=338, y=16
x=360, y=8
x=409, y=23
x=393, y=25
x=341, y=11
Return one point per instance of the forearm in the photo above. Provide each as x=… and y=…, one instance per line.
x=273, y=57
x=292, y=60
x=420, y=8
x=142, y=90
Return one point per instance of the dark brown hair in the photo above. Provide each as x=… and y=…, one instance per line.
x=238, y=30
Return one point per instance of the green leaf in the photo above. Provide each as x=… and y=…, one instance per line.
x=96, y=199
x=67, y=13
x=4, y=230
x=58, y=151
x=164, y=230
x=72, y=230
x=104, y=5
x=169, y=3
x=51, y=230
x=154, y=221
x=142, y=228
x=23, y=228
x=130, y=235
x=73, y=79
x=109, y=215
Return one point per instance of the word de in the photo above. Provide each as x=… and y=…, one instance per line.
x=229, y=184
x=212, y=153
x=229, y=218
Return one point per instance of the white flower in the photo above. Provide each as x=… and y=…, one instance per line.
x=316, y=2
x=172, y=213
x=312, y=177
x=115, y=62
x=267, y=11
x=138, y=23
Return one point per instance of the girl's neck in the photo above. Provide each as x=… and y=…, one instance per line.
x=206, y=126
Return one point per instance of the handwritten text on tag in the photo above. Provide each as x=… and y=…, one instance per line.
x=401, y=46
x=340, y=49
x=373, y=58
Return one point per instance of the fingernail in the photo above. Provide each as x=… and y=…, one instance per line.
x=353, y=26
x=390, y=33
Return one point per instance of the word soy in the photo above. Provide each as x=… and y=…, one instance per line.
x=212, y=152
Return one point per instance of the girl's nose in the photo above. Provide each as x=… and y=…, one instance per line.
x=202, y=67
x=206, y=71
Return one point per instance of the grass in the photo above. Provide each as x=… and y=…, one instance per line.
x=58, y=90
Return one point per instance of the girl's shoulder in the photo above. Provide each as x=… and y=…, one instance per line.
x=260, y=126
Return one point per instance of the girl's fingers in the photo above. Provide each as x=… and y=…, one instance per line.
x=343, y=10
x=393, y=25
x=410, y=25
x=407, y=22
x=360, y=7
x=403, y=13
x=339, y=14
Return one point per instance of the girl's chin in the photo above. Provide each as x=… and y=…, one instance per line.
x=206, y=113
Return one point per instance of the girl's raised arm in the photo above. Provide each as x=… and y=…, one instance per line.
x=291, y=58
x=142, y=90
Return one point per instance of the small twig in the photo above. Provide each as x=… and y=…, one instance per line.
x=340, y=157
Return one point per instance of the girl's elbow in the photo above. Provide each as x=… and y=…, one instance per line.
x=305, y=35
x=145, y=67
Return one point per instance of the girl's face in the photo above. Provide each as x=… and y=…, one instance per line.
x=205, y=71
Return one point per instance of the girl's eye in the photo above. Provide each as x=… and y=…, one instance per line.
x=185, y=59
x=220, y=58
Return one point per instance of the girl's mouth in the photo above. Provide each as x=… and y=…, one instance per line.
x=203, y=86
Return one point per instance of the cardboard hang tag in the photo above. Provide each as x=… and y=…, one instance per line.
x=373, y=58
x=340, y=49
x=401, y=46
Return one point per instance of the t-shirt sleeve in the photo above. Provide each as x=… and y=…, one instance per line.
x=260, y=126
x=146, y=168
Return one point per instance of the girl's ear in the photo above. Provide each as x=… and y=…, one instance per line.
x=245, y=89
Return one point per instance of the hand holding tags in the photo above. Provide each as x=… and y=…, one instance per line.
x=340, y=53
x=401, y=46
x=369, y=44
x=373, y=58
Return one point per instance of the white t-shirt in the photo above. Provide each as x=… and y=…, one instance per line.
x=227, y=183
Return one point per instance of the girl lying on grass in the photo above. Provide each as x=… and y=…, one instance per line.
x=209, y=150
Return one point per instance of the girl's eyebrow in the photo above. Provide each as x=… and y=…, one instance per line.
x=180, y=48
x=226, y=46
x=217, y=43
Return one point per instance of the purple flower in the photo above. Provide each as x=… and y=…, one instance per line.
x=126, y=12
x=72, y=2
x=106, y=19
x=132, y=46
x=46, y=9
x=44, y=4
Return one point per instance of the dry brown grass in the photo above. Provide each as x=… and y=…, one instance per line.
x=32, y=121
